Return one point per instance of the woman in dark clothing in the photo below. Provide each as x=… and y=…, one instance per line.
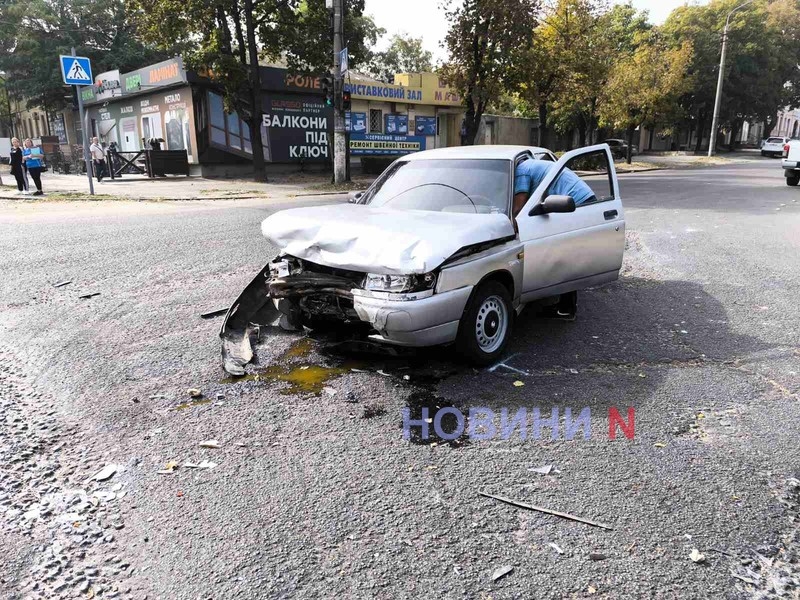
x=16, y=165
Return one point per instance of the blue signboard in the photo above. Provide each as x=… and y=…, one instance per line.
x=355, y=122
x=425, y=126
x=396, y=124
x=76, y=70
x=370, y=144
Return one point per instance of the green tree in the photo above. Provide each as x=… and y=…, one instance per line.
x=482, y=45
x=224, y=40
x=308, y=41
x=761, y=68
x=405, y=54
x=573, y=49
x=644, y=87
x=33, y=33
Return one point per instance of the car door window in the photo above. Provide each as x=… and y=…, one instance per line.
x=586, y=178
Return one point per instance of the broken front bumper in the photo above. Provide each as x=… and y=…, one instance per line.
x=309, y=298
x=423, y=322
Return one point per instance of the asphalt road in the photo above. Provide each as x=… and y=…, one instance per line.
x=317, y=495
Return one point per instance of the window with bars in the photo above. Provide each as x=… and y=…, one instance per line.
x=375, y=120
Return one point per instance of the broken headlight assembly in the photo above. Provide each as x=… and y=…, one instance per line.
x=401, y=287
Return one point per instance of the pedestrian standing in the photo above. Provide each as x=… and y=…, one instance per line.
x=17, y=168
x=34, y=162
x=98, y=159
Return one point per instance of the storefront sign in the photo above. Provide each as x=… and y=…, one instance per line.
x=106, y=85
x=396, y=124
x=163, y=74
x=297, y=128
x=355, y=122
x=425, y=126
x=382, y=91
x=375, y=144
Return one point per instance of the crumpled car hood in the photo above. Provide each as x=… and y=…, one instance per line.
x=380, y=240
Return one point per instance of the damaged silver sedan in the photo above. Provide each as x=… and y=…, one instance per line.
x=436, y=251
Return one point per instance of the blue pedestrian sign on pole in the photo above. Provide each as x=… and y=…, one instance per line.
x=76, y=70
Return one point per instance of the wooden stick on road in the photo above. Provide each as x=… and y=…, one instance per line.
x=546, y=511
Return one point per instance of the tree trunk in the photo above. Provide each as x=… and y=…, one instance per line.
x=257, y=111
x=700, y=130
x=570, y=139
x=583, y=126
x=631, y=131
x=544, y=131
x=472, y=121
x=735, y=127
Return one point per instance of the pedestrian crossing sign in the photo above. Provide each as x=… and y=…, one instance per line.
x=76, y=70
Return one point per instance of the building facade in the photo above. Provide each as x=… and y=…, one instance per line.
x=167, y=102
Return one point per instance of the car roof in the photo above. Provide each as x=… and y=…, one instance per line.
x=471, y=152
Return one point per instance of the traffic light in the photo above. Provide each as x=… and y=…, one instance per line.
x=346, y=100
x=327, y=90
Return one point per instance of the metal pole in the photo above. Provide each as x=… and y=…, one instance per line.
x=712, y=141
x=85, y=125
x=339, y=137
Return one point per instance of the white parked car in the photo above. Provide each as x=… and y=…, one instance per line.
x=774, y=146
x=791, y=162
x=432, y=252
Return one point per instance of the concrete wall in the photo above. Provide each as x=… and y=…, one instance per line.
x=496, y=129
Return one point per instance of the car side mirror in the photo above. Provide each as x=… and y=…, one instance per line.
x=355, y=197
x=554, y=204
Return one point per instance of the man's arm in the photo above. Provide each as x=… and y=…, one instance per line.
x=519, y=201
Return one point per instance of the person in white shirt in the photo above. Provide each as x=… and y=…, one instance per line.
x=98, y=159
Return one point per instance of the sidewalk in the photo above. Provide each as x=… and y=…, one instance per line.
x=677, y=160
x=137, y=187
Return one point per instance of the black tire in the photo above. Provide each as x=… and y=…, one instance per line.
x=763, y=153
x=793, y=181
x=490, y=312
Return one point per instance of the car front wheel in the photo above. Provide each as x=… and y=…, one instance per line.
x=485, y=328
x=793, y=181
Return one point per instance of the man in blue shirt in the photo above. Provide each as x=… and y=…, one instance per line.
x=530, y=173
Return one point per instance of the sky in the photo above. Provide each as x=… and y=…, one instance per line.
x=425, y=18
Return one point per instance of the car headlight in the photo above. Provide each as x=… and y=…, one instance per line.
x=400, y=284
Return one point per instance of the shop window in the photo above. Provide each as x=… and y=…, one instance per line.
x=216, y=110
x=375, y=120
x=227, y=129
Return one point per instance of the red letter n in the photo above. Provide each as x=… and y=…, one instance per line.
x=614, y=419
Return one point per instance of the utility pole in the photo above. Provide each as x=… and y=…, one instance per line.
x=339, y=135
x=712, y=138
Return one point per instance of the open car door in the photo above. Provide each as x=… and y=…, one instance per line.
x=569, y=248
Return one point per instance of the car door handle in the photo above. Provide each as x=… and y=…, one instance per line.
x=610, y=214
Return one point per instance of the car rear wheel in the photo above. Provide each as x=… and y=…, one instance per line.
x=485, y=327
x=793, y=181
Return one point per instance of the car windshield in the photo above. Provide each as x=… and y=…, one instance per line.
x=448, y=185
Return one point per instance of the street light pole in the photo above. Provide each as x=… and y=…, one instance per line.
x=712, y=138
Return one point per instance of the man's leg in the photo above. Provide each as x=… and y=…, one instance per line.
x=565, y=309
x=568, y=306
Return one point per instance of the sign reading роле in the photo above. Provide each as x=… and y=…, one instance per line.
x=377, y=144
